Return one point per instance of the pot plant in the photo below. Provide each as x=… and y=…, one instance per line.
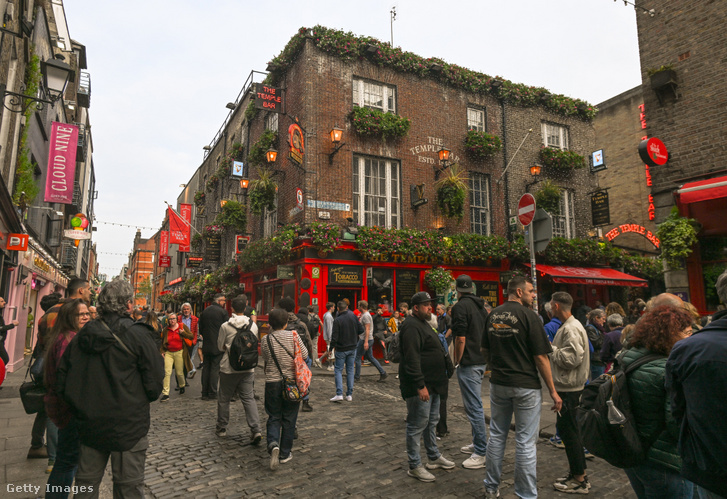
x=452, y=192
x=262, y=191
x=662, y=76
x=439, y=279
x=548, y=197
x=233, y=215
x=562, y=160
x=481, y=145
x=678, y=235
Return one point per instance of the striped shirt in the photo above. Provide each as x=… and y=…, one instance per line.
x=287, y=363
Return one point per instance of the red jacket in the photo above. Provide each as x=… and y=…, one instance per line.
x=193, y=326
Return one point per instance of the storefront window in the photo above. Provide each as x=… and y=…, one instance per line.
x=380, y=284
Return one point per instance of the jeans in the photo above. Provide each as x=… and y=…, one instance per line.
x=193, y=357
x=368, y=353
x=470, y=384
x=651, y=481
x=39, y=429
x=597, y=370
x=282, y=416
x=568, y=431
x=52, y=439
x=66, y=463
x=707, y=494
x=211, y=374
x=526, y=404
x=241, y=384
x=127, y=469
x=341, y=359
x=421, y=420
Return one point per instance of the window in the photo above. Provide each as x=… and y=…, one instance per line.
x=564, y=224
x=374, y=95
x=376, y=200
x=475, y=119
x=555, y=136
x=270, y=219
x=271, y=122
x=479, y=204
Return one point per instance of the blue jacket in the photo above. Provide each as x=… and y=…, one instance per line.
x=552, y=327
x=696, y=378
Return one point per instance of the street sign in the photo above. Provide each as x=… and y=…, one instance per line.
x=542, y=228
x=526, y=209
x=241, y=243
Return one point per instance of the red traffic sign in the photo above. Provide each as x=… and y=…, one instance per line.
x=526, y=209
x=653, y=152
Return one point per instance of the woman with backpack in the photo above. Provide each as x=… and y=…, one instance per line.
x=656, y=333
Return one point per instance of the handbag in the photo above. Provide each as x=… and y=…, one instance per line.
x=290, y=387
x=32, y=392
x=36, y=369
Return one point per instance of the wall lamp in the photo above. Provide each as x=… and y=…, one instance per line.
x=55, y=73
x=231, y=106
x=535, y=170
x=244, y=183
x=444, y=160
x=207, y=148
x=271, y=155
x=336, y=136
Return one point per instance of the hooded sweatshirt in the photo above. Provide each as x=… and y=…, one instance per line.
x=228, y=331
x=108, y=388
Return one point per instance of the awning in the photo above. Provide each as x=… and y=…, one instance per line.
x=590, y=275
x=703, y=190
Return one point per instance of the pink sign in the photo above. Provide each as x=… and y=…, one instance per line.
x=61, y=163
x=186, y=211
x=164, y=243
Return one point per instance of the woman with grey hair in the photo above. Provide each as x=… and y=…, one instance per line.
x=596, y=335
x=612, y=343
x=116, y=298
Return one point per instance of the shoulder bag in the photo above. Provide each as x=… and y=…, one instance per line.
x=32, y=392
x=291, y=393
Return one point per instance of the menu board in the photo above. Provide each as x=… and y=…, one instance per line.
x=407, y=285
x=213, y=248
x=487, y=290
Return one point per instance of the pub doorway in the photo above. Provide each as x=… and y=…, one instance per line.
x=353, y=295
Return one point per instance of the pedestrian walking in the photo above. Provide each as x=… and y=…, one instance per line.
x=344, y=340
x=297, y=324
x=327, y=333
x=423, y=375
x=175, y=354
x=210, y=322
x=365, y=343
x=192, y=322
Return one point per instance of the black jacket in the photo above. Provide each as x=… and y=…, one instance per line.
x=424, y=361
x=346, y=329
x=295, y=323
x=210, y=322
x=468, y=319
x=596, y=337
x=108, y=389
x=3, y=333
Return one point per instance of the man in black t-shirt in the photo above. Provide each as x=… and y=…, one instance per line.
x=516, y=349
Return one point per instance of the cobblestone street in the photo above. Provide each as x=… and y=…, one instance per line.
x=354, y=449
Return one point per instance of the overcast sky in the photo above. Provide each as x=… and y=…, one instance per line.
x=162, y=72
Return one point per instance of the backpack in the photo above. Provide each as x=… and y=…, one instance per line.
x=395, y=349
x=605, y=419
x=243, y=350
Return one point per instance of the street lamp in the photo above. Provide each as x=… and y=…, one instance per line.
x=336, y=136
x=443, y=154
x=271, y=155
x=535, y=170
x=55, y=73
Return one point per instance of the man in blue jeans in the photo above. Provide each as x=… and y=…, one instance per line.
x=344, y=340
x=468, y=324
x=516, y=348
x=366, y=342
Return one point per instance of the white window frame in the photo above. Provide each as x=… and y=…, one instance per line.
x=480, y=203
x=270, y=219
x=363, y=201
x=564, y=224
x=271, y=122
x=554, y=135
x=475, y=119
x=363, y=90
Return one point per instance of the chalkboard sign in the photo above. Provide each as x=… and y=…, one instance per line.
x=407, y=285
x=599, y=208
x=487, y=290
x=213, y=248
x=345, y=275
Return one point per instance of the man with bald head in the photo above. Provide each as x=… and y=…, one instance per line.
x=665, y=299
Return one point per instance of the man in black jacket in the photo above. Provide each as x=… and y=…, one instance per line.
x=423, y=375
x=344, y=340
x=210, y=322
x=109, y=374
x=468, y=325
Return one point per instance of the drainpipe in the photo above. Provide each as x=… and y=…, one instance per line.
x=508, y=231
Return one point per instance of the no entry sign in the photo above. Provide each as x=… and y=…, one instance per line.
x=526, y=209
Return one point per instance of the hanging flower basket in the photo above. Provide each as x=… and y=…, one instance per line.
x=372, y=122
x=452, y=192
x=548, y=197
x=560, y=160
x=481, y=145
x=438, y=278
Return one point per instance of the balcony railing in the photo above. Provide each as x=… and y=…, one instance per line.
x=81, y=148
x=83, y=94
x=69, y=254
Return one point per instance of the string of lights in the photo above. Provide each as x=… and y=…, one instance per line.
x=107, y=253
x=126, y=225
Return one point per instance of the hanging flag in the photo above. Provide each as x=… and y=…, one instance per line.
x=61, y=163
x=186, y=211
x=164, y=243
x=178, y=228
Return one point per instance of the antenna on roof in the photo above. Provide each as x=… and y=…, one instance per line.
x=393, y=18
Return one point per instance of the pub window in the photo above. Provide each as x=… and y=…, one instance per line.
x=564, y=224
x=475, y=119
x=380, y=284
x=271, y=122
x=406, y=285
x=479, y=203
x=554, y=136
x=376, y=198
x=270, y=219
x=374, y=95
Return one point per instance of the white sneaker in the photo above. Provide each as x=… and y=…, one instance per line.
x=274, y=461
x=286, y=459
x=337, y=398
x=318, y=364
x=474, y=462
x=349, y=398
x=330, y=368
x=422, y=474
x=468, y=449
x=440, y=462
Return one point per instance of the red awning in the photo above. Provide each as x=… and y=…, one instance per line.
x=704, y=190
x=589, y=275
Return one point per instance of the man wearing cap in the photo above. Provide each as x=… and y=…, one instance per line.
x=423, y=375
x=468, y=325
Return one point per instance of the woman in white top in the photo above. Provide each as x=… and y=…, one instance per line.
x=282, y=414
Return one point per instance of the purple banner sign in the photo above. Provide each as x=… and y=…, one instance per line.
x=61, y=163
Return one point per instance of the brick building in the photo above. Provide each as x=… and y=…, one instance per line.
x=687, y=109
x=141, y=268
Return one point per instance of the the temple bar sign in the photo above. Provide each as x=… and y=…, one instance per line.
x=269, y=98
x=635, y=228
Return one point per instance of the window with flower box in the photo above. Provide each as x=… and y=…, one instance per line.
x=554, y=136
x=475, y=119
x=564, y=224
x=374, y=95
x=479, y=203
x=376, y=192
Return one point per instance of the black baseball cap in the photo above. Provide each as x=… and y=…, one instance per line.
x=464, y=284
x=422, y=297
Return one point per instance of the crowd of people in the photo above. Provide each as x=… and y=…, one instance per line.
x=102, y=370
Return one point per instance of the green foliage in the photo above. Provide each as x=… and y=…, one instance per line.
x=233, y=215
x=199, y=198
x=212, y=182
x=251, y=111
x=372, y=122
x=438, y=278
x=678, y=235
x=325, y=236
x=256, y=155
x=548, y=197
x=264, y=253
x=452, y=192
x=664, y=67
x=25, y=172
x=262, y=191
x=481, y=145
x=197, y=241
x=349, y=47
x=557, y=159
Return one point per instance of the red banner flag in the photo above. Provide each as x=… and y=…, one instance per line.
x=178, y=228
x=164, y=243
x=186, y=211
